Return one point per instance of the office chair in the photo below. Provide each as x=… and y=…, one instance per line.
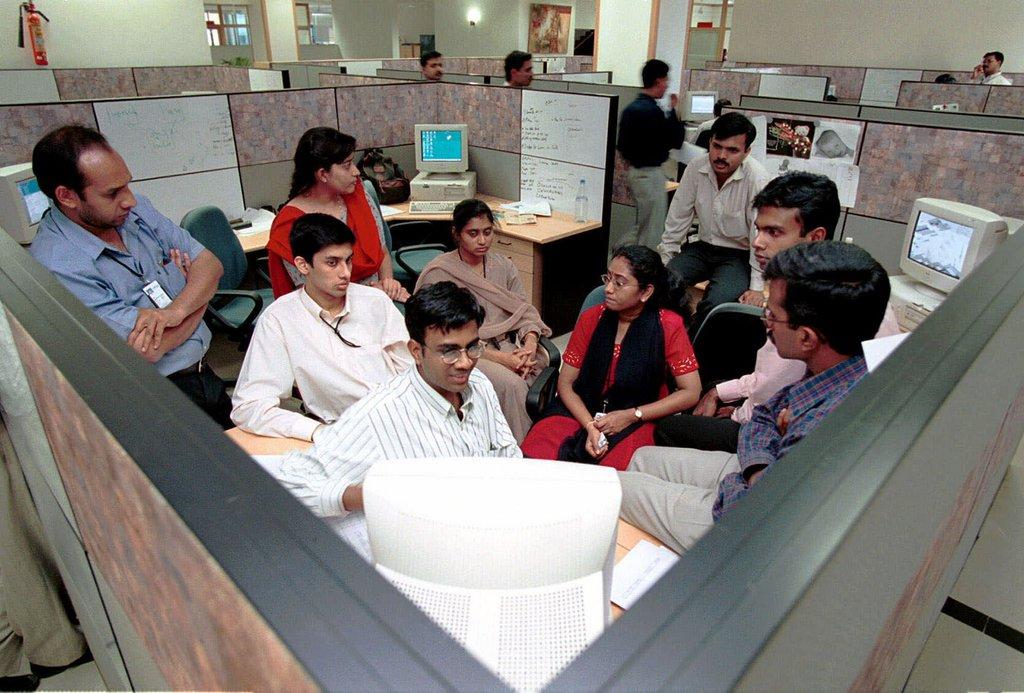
x=545, y=387
x=408, y=261
x=512, y=558
x=727, y=342
x=231, y=310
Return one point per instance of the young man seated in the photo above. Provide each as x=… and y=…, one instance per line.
x=444, y=407
x=794, y=208
x=824, y=300
x=332, y=338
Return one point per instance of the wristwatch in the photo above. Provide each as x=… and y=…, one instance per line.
x=638, y=414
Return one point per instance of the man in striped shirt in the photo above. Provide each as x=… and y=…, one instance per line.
x=443, y=407
x=824, y=300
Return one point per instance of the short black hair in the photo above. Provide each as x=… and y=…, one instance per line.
x=995, y=54
x=719, y=105
x=814, y=197
x=515, y=61
x=55, y=157
x=945, y=78
x=313, y=232
x=468, y=210
x=837, y=289
x=428, y=56
x=652, y=71
x=444, y=306
x=732, y=124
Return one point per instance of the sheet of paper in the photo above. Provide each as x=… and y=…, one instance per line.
x=386, y=211
x=638, y=571
x=846, y=176
x=541, y=207
x=836, y=141
x=876, y=350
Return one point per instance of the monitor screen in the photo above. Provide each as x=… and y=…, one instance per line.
x=940, y=244
x=702, y=103
x=33, y=198
x=441, y=145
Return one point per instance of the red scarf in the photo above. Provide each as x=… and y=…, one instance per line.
x=367, y=254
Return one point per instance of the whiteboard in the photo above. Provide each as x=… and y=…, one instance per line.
x=175, y=196
x=166, y=137
x=557, y=182
x=262, y=80
x=28, y=86
x=793, y=87
x=565, y=127
x=882, y=85
x=555, y=64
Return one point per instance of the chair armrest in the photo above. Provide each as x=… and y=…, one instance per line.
x=554, y=355
x=262, y=264
x=542, y=392
x=410, y=248
x=249, y=319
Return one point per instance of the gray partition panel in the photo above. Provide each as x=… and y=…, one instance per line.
x=800, y=106
x=404, y=155
x=265, y=184
x=471, y=79
x=497, y=173
x=623, y=225
x=549, y=85
x=400, y=74
x=882, y=238
x=982, y=122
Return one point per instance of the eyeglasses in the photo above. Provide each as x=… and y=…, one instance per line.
x=768, y=317
x=619, y=283
x=451, y=355
x=334, y=329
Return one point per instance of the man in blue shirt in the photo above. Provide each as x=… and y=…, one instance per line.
x=646, y=133
x=824, y=300
x=145, y=276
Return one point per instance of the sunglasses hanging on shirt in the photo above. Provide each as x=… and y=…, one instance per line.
x=334, y=329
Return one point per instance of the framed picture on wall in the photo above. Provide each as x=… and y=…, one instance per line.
x=549, y=28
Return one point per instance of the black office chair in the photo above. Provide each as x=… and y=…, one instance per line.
x=727, y=342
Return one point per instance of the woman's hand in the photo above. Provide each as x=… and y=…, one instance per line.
x=394, y=290
x=593, y=446
x=615, y=422
x=527, y=354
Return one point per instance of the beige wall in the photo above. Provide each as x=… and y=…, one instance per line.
x=622, y=38
x=502, y=27
x=366, y=29
x=415, y=17
x=280, y=27
x=112, y=33
x=925, y=34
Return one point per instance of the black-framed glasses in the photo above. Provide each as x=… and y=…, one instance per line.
x=451, y=355
x=619, y=283
x=334, y=329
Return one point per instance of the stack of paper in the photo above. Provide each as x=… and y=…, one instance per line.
x=639, y=570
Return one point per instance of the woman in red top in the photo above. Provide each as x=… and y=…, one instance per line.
x=614, y=375
x=325, y=180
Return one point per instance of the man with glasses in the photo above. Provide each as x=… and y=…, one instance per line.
x=332, y=338
x=824, y=300
x=443, y=407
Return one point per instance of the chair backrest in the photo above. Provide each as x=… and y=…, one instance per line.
x=371, y=192
x=704, y=140
x=595, y=297
x=211, y=227
x=727, y=342
x=509, y=556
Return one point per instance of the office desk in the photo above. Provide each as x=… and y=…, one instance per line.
x=559, y=259
x=255, y=238
x=625, y=539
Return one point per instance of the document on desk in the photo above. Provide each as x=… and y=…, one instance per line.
x=260, y=220
x=539, y=207
x=386, y=211
x=638, y=571
x=877, y=350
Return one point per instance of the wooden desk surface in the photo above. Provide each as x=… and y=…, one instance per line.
x=627, y=537
x=547, y=229
x=253, y=242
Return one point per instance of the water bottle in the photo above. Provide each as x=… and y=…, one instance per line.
x=581, y=201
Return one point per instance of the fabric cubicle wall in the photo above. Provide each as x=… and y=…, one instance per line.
x=970, y=98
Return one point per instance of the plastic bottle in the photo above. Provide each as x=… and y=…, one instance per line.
x=581, y=201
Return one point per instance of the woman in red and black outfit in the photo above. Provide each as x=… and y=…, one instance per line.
x=326, y=180
x=615, y=370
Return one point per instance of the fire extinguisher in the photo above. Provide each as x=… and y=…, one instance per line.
x=28, y=14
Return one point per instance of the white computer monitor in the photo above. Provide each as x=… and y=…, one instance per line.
x=442, y=148
x=699, y=105
x=945, y=240
x=512, y=557
x=22, y=203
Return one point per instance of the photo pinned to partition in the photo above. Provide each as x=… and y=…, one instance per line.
x=836, y=141
x=790, y=137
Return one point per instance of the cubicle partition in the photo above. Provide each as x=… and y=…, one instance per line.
x=969, y=98
x=208, y=575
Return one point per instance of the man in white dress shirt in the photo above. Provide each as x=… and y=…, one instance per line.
x=443, y=407
x=718, y=191
x=990, y=70
x=332, y=338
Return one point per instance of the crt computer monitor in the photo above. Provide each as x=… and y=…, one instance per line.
x=945, y=240
x=22, y=203
x=442, y=148
x=699, y=105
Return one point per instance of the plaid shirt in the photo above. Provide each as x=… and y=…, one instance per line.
x=761, y=444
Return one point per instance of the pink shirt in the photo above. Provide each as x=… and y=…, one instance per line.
x=772, y=373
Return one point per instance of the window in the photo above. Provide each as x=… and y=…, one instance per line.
x=314, y=22
x=227, y=25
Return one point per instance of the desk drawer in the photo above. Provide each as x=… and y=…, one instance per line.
x=508, y=245
x=523, y=263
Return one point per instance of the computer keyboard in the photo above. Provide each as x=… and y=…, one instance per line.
x=431, y=207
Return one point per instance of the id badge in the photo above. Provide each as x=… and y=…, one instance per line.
x=157, y=294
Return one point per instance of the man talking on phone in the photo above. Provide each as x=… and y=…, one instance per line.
x=141, y=273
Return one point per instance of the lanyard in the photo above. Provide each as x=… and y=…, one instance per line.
x=131, y=269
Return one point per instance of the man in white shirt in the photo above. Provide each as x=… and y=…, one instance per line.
x=990, y=70
x=443, y=407
x=718, y=191
x=332, y=338
x=794, y=208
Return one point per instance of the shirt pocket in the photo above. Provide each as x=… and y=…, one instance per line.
x=734, y=225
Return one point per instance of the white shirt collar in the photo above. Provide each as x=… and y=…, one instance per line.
x=317, y=311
